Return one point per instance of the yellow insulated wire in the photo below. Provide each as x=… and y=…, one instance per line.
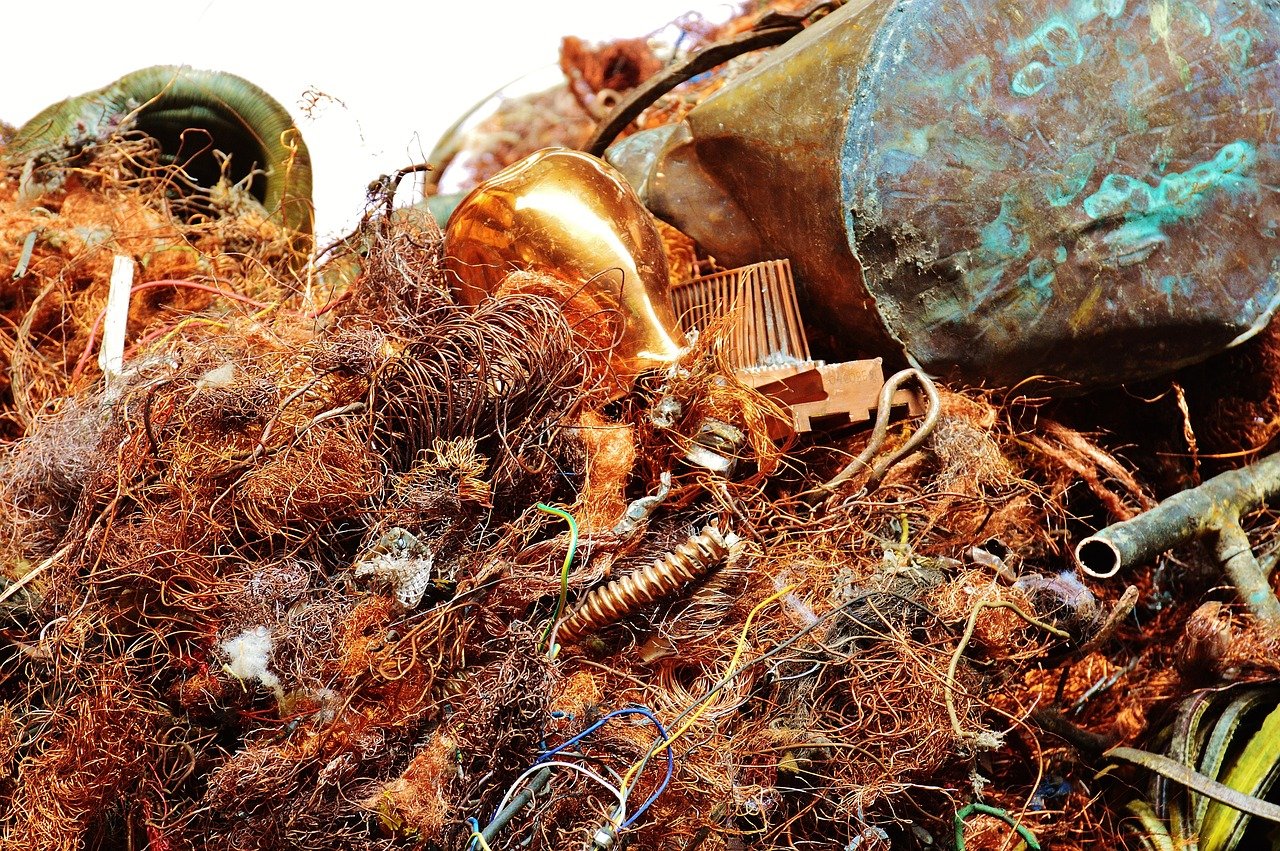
x=700, y=707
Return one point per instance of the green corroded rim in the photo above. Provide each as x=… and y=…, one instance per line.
x=174, y=98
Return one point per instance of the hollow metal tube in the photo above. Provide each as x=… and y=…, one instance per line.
x=1214, y=507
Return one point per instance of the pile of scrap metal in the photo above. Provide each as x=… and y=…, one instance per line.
x=588, y=518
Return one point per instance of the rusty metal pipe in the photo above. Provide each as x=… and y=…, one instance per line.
x=1214, y=508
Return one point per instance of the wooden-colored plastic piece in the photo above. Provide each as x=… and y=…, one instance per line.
x=769, y=348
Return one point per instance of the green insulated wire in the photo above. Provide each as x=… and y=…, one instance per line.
x=1027, y=836
x=564, y=572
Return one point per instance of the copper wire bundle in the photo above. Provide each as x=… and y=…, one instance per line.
x=59, y=240
x=189, y=656
x=210, y=545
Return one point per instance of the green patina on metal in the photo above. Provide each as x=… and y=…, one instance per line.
x=1119, y=152
x=188, y=110
x=1212, y=510
x=1146, y=211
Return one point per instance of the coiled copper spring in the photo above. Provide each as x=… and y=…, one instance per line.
x=613, y=602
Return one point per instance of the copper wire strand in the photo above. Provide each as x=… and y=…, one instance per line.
x=881, y=431
x=142, y=587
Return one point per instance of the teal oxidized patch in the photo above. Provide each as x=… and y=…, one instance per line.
x=1147, y=210
x=1057, y=182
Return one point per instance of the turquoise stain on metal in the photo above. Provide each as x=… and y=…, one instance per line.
x=1162, y=157
x=1059, y=39
x=1146, y=210
x=974, y=86
x=1062, y=43
x=897, y=163
x=955, y=198
x=1176, y=288
x=1194, y=16
x=1094, y=116
x=1063, y=188
x=1238, y=44
x=1004, y=238
x=1033, y=77
x=1119, y=195
x=984, y=281
x=1039, y=278
x=978, y=153
x=1084, y=11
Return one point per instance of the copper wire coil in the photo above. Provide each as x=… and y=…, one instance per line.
x=680, y=683
x=664, y=576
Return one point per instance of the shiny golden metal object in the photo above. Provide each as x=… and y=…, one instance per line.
x=572, y=216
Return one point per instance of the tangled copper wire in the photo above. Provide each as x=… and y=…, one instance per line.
x=188, y=656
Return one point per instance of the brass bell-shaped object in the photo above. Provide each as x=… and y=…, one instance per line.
x=572, y=216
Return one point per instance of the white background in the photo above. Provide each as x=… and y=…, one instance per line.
x=399, y=73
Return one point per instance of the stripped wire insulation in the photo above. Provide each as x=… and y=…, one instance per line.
x=504, y=813
x=548, y=763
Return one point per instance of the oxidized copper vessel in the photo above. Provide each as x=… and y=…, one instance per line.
x=190, y=114
x=1083, y=189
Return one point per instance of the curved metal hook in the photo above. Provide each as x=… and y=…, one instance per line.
x=881, y=431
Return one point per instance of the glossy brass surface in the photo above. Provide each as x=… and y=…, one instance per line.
x=572, y=216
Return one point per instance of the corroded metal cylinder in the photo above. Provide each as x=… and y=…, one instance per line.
x=1082, y=189
x=190, y=113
